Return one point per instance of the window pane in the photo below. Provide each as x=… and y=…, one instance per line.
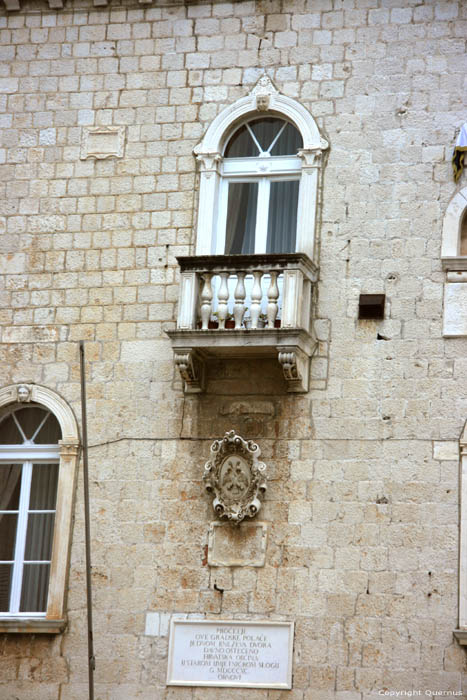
x=288, y=142
x=9, y=433
x=34, y=590
x=50, y=433
x=463, y=248
x=39, y=536
x=30, y=418
x=282, y=222
x=5, y=586
x=8, y=523
x=241, y=145
x=43, y=487
x=10, y=485
x=241, y=218
x=266, y=130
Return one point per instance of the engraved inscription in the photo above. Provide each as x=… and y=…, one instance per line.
x=237, y=654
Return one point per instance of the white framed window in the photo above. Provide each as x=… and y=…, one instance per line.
x=259, y=172
x=29, y=460
x=454, y=261
x=258, y=199
x=38, y=460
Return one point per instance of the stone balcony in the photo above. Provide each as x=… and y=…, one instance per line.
x=245, y=306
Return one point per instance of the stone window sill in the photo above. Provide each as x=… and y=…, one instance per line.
x=31, y=625
x=461, y=636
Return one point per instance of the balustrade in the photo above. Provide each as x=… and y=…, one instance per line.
x=255, y=305
x=245, y=292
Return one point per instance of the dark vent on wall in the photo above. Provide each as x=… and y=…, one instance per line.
x=371, y=306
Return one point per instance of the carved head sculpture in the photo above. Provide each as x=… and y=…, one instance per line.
x=24, y=393
x=235, y=477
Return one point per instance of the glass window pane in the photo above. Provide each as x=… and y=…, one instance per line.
x=30, y=418
x=50, y=433
x=5, y=586
x=241, y=145
x=241, y=218
x=463, y=247
x=9, y=433
x=266, y=130
x=43, y=487
x=282, y=221
x=8, y=523
x=34, y=590
x=288, y=142
x=39, y=536
x=10, y=486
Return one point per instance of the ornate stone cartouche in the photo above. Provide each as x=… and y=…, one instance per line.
x=235, y=477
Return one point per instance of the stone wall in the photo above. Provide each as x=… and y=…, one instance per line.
x=363, y=471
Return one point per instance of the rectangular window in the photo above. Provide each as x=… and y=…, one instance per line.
x=28, y=494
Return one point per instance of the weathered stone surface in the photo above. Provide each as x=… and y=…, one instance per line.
x=362, y=500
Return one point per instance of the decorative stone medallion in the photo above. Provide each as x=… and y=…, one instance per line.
x=235, y=477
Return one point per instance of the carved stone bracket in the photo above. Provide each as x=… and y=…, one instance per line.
x=296, y=369
x=235, y=477
x=191, y=370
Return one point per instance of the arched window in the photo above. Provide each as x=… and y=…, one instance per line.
x=259, y=197
x=259, y=161
x=38, y=457
x=29, y=459
x=454, y=260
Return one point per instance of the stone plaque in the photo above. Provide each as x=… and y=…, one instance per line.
x=241, y=545
x=230, y=653
x=102, y=142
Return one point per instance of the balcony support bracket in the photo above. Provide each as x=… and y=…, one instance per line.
x=296, y=368
x=191, y=369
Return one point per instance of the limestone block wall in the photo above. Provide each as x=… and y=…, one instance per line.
x=363, y=494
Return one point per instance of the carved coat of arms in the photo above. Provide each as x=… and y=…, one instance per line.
x=235, y=477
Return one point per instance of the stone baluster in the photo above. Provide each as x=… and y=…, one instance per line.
x=256, y=296
x=222, y=299
x=240, y=294
x=206, y=301
x=273, y=296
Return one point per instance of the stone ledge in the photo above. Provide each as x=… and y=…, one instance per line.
x=461, y=636
x=31, y=625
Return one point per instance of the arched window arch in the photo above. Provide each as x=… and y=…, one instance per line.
x=38, y=460
x=259, y=162
x=454, y=237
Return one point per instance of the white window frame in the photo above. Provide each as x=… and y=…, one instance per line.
x=66, y=453
x=262, y=208
x=263, y=100
x=455, y=266
x=452, y=221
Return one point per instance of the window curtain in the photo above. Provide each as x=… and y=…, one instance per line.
x=241, y=218
x=282, y=221
x=39, y=537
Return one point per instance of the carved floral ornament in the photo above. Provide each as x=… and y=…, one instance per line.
x=235, y=477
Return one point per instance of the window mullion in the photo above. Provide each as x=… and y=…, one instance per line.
x=219, y=248
x=262, y=214
x=21, y=530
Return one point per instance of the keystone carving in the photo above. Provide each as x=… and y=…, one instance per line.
x=262, y=92
x=23, y=393
x=235, y=477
